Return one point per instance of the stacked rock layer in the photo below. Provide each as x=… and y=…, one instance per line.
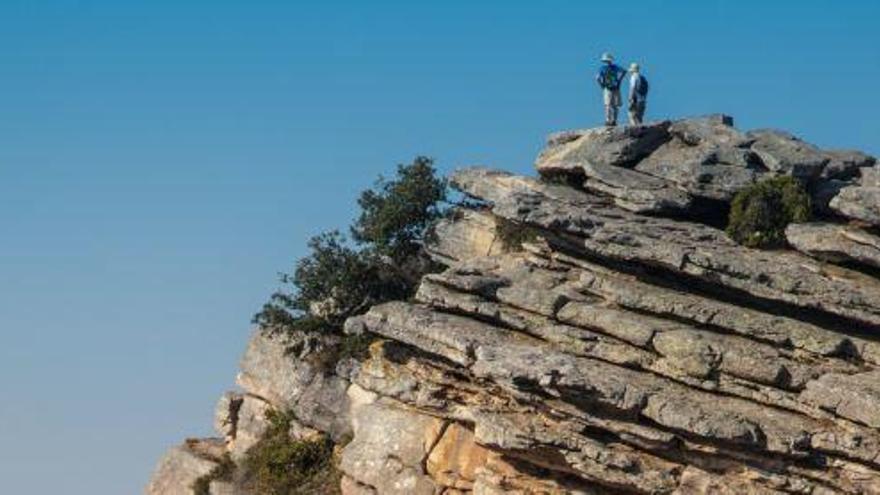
x=594, y=332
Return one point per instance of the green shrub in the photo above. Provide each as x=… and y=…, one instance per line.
x=337, y=280
x=760, y=213
x=279, y=465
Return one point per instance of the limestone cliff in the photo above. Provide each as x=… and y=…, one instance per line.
x=595, y=332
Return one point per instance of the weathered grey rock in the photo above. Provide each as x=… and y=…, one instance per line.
x=785, y=154
x=856, y=397
x=604, y=351
x=633, y=190
x=251, y=424
x=177, y=471
x=390, y=449
x=715, y=130
x=708, y=169
x=846, y=164
x=469, y=235
x=616, y=146
x=682, y=248
x=859, y=203
x=834, y=242
x=869, y=176
x=291, y=373
x=526, y=366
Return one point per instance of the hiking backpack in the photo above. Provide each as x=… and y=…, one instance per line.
x=642, y=87
x=609, y=77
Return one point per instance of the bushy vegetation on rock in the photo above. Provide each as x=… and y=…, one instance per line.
x=760, y=213
x=280, y=465
x=338, y=278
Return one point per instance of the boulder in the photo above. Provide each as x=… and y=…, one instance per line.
x=786, y=154
x=835, y=243
x=616, y=146
x=858, y=203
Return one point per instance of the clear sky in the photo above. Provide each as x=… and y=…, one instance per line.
x=161, y=161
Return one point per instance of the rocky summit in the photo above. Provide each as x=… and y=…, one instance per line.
x=595, y=331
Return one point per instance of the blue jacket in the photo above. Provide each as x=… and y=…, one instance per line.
x=609, y=69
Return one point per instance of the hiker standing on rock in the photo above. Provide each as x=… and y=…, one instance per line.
x=638, y=95
x=609, y=78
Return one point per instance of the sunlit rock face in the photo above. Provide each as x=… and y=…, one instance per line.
x=621, y=344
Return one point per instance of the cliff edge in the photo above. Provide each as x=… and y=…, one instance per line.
x=594, y=331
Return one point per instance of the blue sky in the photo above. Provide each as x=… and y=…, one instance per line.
x=161, y=161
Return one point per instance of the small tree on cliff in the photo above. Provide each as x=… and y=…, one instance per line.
x=337, y=280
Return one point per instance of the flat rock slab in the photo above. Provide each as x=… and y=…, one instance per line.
x=635, y=191
x=568, y=152
x=856, y=397
x=834, y=242
x=703, y=170
x=859, y=203
x=786, y=154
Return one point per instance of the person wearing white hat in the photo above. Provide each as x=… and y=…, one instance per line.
x=638, y=95
x=610, y=77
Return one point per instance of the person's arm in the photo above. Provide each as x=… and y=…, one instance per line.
x=633, y=82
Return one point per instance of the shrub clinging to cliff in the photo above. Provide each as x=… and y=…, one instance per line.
x=760, y=213
x=337, y=280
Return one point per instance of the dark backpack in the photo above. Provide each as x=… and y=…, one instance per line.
x=609, y=77
x=642, y=87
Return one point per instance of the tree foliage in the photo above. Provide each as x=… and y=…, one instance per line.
x=337, y=280
x=760, y=213
x=396, y=214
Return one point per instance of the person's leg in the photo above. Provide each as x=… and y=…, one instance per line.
x=615, y=102
x=633, y=116
x=608, y=100
x=640, y=111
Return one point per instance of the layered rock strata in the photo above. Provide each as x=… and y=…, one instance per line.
x=621, y=344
